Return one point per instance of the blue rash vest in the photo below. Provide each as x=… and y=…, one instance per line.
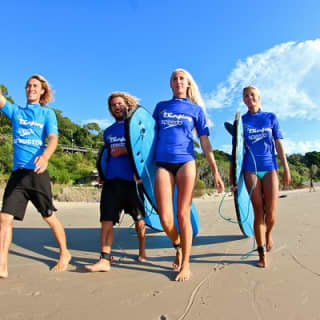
x=30, y=127
x=175, y=121
x=260, y=131
x=118, y=167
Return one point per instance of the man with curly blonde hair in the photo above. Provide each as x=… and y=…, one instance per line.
x=31, y=125
x=119, y=190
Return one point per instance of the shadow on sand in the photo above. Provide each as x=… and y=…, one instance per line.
x=82, y=242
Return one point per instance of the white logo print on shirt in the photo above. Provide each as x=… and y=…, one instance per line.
x=117, y=141
x=25, y=132
x=30, y=123
x=255, y=135
x=28, y=131
x=173, y=120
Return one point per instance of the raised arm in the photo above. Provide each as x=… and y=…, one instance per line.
x=286, y=179
x=42, y=161
x=208, y=152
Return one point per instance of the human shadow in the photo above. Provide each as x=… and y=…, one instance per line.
x=83, y=241
x=224, y=258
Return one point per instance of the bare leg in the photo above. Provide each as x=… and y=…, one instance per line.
x=270, y=185
x=6, y=222
x=258, y=208
x=164, y=187
x=60, y=235
x=106, y=240
x=141, y=234
x=186, y=178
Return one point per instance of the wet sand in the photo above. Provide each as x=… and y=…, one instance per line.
x=223, y=285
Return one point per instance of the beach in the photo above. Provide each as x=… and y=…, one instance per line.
x=224, y=284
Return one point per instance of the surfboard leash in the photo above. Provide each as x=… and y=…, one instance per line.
x=147, y=212
x=250, y=253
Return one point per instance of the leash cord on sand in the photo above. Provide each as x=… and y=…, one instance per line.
x=195, y=291
x=193, y=294
x=250, y=253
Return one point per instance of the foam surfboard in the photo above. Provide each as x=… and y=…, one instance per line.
x=141, y=140
x=151, y=219
x=242, y=202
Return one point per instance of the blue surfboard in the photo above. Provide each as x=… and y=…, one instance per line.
x=151, y=219
x=242, y=202
x=141, y=140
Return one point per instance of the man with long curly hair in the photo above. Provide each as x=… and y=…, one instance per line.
x=119, y=190
x=31, y=126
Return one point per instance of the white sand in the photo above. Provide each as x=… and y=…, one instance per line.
x=222, y=286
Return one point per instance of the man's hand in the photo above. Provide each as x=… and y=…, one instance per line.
x=136, y=180
x=41, y=163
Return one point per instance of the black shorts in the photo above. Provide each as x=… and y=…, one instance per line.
x=118, y=195
x=25, y=185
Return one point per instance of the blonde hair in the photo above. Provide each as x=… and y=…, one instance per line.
x=130, y=101
x=47, y=96
x=250, y=87
x=193, y=92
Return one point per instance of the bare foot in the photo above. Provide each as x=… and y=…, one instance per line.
x=142, y=258
x=177, y=262
x=63, y=262
x=183, y=275
x=262, y=263
x=103, y=265
x=3, y=273
x=269, y=242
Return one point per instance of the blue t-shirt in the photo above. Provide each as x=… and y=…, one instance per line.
x=30, y=127
x=117, y=167
x=260, y=131
x=176, y=120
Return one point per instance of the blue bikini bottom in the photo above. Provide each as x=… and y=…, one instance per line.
x=261, y=174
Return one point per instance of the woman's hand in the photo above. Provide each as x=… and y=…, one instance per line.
x=234, y=188
x=286, y=178
x=218, y=182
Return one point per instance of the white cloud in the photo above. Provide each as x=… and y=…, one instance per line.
x=288, y=76
x=301, y=146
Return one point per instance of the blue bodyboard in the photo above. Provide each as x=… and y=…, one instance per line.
x=151, y=219
x=141, y=140
x=242, y=201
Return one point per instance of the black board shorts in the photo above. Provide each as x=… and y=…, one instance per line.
x=25, y=185
x=118, y=195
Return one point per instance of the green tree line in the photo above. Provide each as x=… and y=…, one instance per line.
x=66, y=168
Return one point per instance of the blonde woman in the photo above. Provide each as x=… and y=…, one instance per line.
x=262, y=136
x=176, y=120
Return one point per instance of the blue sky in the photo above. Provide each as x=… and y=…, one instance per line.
x=87, y=49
